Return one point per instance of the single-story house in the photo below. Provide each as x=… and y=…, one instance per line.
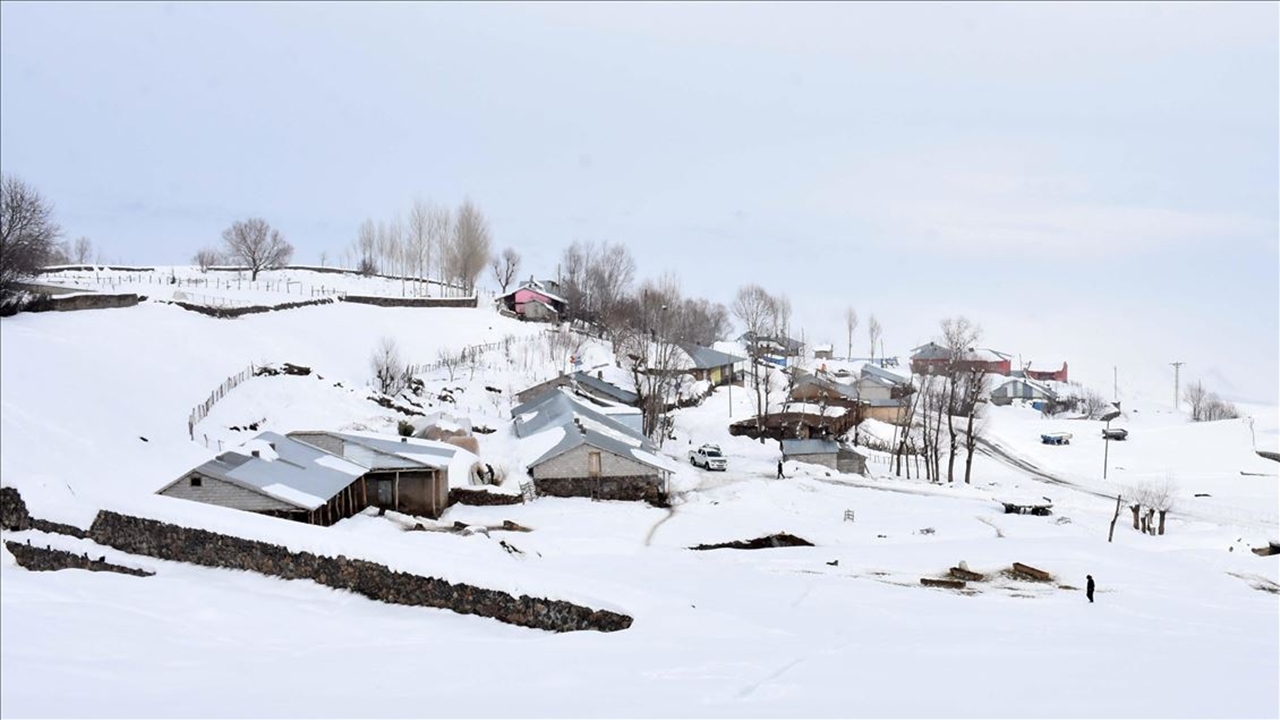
x=583, y=383
x=572, y=449
x=706, y=364
x=819, y=389
x=1059, y=375
x=835, y=455
x=1021, y=389
x=933, y=359
x=323, y=477
x=796, y=424
x=533, y=301
x=779, y=345
x=822, y=352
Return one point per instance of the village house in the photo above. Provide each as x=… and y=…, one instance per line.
x=323, y=477
x=532, y=300
x=1022, y=389
x=704, y=363
x=583, y=383
x=822, y=352
x=828, y=452
x=571, y=449
x=934, y=359
x=1059, y=375
x=778, y=347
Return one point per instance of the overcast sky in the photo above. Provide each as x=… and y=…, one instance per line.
x=1089, y=182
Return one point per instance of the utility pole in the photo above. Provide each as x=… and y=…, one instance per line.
x=1177, y=366
x=1115, y=382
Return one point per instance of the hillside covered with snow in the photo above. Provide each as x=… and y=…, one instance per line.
x=95, y=416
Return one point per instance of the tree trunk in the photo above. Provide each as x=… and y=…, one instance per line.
x=1135, y=509
x=969, y=443
x=1112, y=532
x=1162, y=513
x=1150, y=521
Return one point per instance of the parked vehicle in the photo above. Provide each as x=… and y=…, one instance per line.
x=709, y=457
x=1115, y=433
x=1060, y=438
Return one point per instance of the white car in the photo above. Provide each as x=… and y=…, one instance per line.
x=709, y=457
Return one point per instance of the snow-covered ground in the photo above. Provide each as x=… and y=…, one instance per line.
x=1183, y=625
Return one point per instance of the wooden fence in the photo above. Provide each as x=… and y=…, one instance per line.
x=201, y=411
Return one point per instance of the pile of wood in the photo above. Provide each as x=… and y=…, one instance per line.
x=1026, y=572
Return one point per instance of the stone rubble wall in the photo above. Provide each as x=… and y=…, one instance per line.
x=45, y=559
x=140, y=536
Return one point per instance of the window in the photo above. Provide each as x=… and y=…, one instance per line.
x=197, y=481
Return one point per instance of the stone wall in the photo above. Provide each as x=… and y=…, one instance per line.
x=463, y=302
x=233, y=312
x=462, y=496
x=44, y=559
x=14, y=516
x=62, y=303
x=141, y=536
x=637, y=487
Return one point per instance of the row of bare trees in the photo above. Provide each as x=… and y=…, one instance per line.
x=952, y=399
x=874, y=331
x=431, y=242
x=763, y=316
x=1206, y=405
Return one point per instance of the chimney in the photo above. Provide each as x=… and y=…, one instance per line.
x=256, y=453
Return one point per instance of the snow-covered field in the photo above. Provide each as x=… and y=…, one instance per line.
x=1185, y=625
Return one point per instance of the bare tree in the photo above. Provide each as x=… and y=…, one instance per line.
x=82, y=250
x=324, y=258
x=850, y=324
x=874, y=331
x=27, y=232
x=608, y=282
x=1092, y=404
x=439, y=224
x=469, y=246
x=367, y=247
x=755, y=309
x=450, y=361
x=257, y=245
x=1207, y=406
x=505, y=267
x=958, y=336
x=206, y=258
x=1195, y=395
x=419, y=238
x=651, y=354
x=389, y=372
x=975, y=390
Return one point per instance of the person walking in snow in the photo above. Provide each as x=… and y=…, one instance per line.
x=780, y=469
x=1088, y=588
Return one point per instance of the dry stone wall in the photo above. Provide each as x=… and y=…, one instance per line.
x=464, y=302
x=44, y=559
x=140, y=536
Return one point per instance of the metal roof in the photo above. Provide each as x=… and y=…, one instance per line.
x=591, y=382
x=705, y=358
x=555, y=407
x=812, y=446
x=873, y=370
x=288, y=470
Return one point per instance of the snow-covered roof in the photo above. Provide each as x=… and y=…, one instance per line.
x=825, y=347
x=812, y=446
x=594, y=384
x=555, y=407
x=702, y=358
x=873, y=370
x=537, y=287
x=288, y=470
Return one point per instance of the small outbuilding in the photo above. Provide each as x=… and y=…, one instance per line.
x=832, y=454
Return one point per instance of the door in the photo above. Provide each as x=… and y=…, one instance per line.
x=593, y=464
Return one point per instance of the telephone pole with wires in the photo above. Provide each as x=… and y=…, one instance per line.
x=1177, y=366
